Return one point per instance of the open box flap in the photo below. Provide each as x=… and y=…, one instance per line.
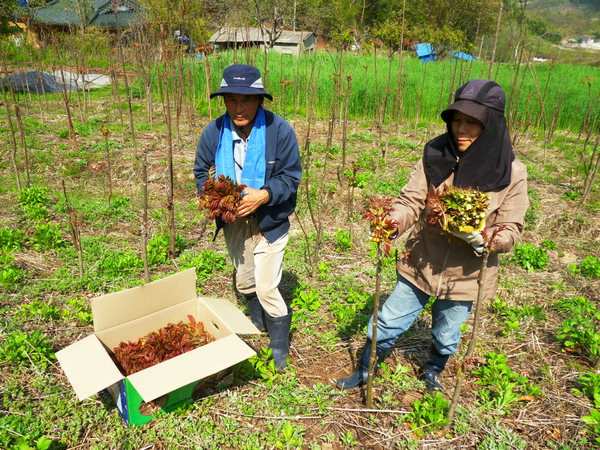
x=88, y=366
x=120, y=307
x=231, y=315
x=189, y=367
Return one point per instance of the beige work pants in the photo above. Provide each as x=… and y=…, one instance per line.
x=257, y=263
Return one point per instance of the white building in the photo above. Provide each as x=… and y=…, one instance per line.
x=288, y=42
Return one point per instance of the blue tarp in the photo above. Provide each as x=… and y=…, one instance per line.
x=427, y=53
x=463, y=55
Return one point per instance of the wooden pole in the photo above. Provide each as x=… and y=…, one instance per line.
x=460, y=376
x=373, y=355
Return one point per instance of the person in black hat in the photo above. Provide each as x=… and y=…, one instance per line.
x=475, y=152
x=259, y=149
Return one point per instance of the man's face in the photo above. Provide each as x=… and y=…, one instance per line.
x=242, y=108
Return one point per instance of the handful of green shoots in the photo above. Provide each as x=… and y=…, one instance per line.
x=458, y=209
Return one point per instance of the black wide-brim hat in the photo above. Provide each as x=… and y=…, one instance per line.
x=475, y=99
x=242, y=79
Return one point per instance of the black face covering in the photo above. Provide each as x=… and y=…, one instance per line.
x=485, y=165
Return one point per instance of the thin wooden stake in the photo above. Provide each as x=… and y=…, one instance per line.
x=170, y=186
x=75, y=229
x=144, y=242
x=373, y=355
x=13, y=141
x=460, y=376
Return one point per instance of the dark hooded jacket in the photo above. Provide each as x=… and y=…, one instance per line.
x=449, y=268
x=282, y=176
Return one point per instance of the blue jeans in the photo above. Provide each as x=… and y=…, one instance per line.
x=402, y=308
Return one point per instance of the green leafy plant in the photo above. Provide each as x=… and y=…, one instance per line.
x=500, y=437
x=290, y=397
x=206, y=262
x=46, y=310
x=503, y=387
x=23, y=349
x=78, y=311
x=101, y=146
x=548, y=244
x=285, y=435
x=63, y=133
x=428, y=414
x=11, y=239
x=578, y=334
x=33, y=195
x=589, y=386
x=348, y=311
x=25, y=443
x=529, y=257
x=10, y=274
x=390, y=186
x=306, y=300
x=34, y=202
x=532, y=213
x=398, y=378
x=593, y=421
x=579, y=330
x=303, y=303
x=357, y=179
x=264, y=366
x=48, y=236
x=517, y=317
x=366, y=137
x=578, y=306
x=117, y=262
x=458, y=209
x=323, y=271
x=158, y=248
x=342, y=241
x=588, y=268
x=348, y=439
x=119, y=207
x=571, y=195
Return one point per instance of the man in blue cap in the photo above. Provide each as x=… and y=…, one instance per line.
x=259, y=149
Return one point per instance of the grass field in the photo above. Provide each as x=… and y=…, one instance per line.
x=567, y=90
x=538, y=93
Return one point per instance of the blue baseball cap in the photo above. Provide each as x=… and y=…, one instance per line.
x=242, y=79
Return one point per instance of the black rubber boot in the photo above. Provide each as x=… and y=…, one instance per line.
x=361, y=373
x=279, y=332
x=433, y=369
x=257, y=313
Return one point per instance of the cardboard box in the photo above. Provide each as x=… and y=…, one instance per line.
x=132, y=313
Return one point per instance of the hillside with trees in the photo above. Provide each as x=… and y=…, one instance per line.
x=569, y=17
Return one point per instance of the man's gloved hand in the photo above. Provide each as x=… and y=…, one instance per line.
x=475, y=238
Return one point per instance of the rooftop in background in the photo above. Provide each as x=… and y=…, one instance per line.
x=231, y=34
x=290, y=42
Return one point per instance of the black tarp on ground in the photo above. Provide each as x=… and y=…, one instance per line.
x=34, y=81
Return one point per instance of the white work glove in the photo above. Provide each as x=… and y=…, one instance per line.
x=475, y=238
